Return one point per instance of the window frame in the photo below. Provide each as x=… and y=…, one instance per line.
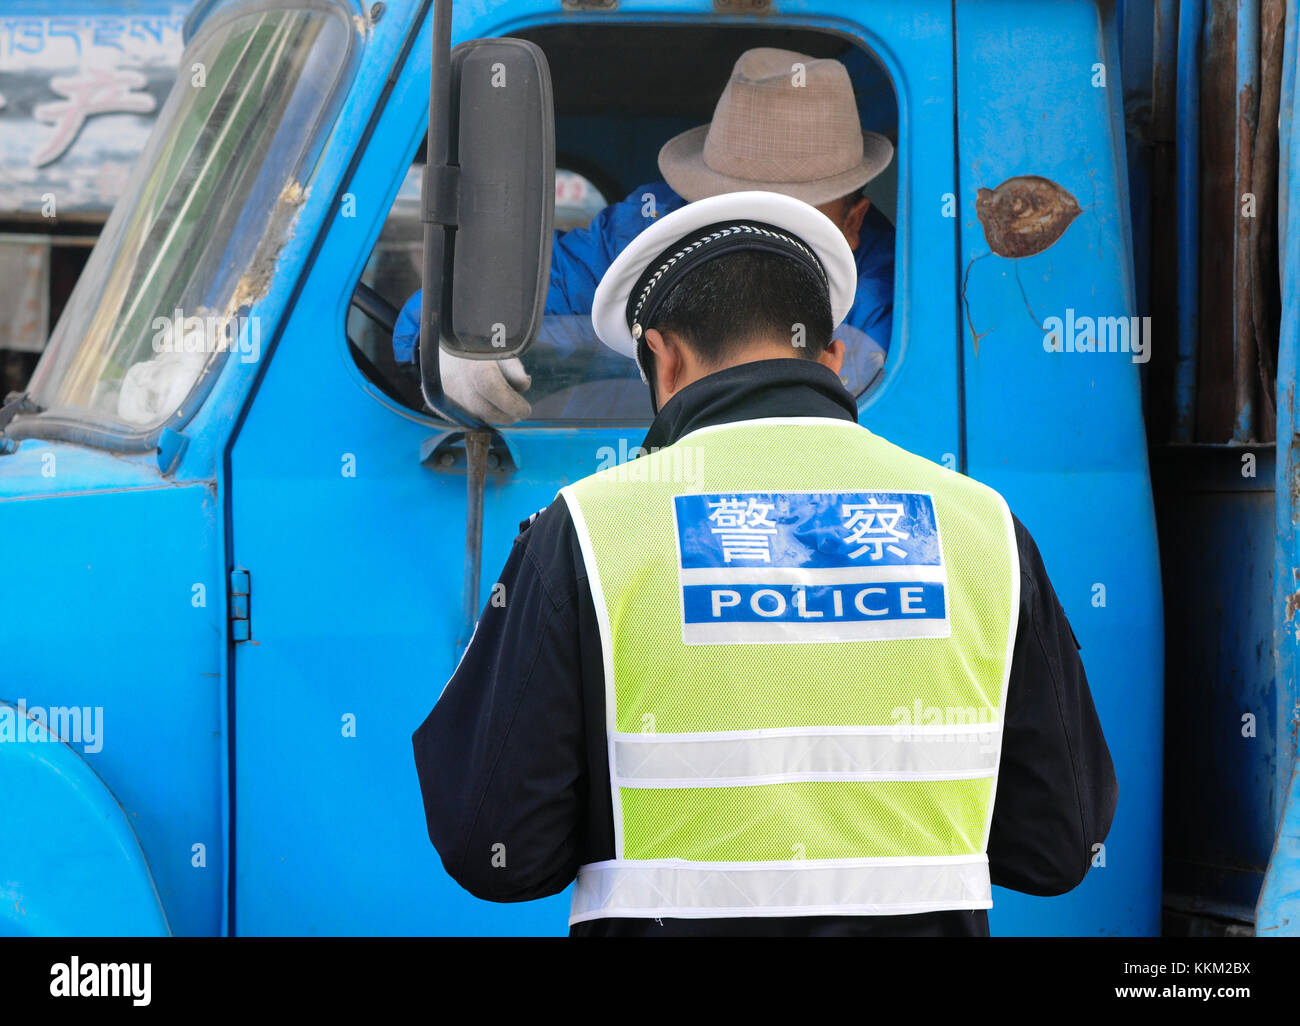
x=81, y=427
x=598, y=177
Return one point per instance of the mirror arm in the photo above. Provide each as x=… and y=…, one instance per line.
x=439, y=208
x=477, y=444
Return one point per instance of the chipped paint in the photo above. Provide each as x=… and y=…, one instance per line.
x=256, y=279
x=1024, y=215
x=1292, y=604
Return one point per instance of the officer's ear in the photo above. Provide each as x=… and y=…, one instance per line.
x=671, y=367
x=833, y=355
x=657, y=344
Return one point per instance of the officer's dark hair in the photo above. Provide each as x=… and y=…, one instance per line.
x=746, y=297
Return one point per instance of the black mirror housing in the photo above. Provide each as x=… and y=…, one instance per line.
x=490, y=204
x=501, y=252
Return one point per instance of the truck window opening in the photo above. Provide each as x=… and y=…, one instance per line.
x=656, y=81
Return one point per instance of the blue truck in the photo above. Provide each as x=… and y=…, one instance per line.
x=240, y=546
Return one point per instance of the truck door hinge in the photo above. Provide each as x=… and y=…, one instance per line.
x=240, y=625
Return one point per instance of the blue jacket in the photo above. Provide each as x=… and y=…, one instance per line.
x=580, y=257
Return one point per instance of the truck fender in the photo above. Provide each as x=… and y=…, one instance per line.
x=70, y=864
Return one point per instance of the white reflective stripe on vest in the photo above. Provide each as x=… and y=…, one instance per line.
x=783, y=755
x=719, y=890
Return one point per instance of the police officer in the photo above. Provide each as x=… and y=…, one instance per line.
x=777, y=676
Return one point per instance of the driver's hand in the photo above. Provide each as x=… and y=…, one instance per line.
x=489, y=389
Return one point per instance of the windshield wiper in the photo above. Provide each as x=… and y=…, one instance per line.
x=17, y=404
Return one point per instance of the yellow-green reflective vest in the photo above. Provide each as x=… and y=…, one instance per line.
x=807, y=634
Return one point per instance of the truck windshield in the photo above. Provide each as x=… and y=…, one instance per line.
x=194, y=240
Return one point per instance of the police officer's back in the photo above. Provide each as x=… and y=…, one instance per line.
x=778, y=675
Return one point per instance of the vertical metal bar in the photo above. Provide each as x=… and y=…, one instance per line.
x=1190, y=18
x=1162, y=234
x=1245, y=355
x=1286, y=567
x=477, y=440
x=477, y=444
x=1164, y=72
x=436, y=158
x=1265, y=284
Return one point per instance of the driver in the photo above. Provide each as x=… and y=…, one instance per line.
x=785, y=123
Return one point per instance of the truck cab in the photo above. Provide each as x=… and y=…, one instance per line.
x=235, y=530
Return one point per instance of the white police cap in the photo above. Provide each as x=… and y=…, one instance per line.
x=657, y=258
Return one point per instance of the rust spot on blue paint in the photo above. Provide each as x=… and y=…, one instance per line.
x=1024, y=215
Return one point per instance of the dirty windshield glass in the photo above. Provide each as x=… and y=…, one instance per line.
x=207, y=208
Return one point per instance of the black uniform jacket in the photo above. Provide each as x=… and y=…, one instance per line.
x=513, y=763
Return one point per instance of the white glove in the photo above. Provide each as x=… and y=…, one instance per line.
x=489, y=389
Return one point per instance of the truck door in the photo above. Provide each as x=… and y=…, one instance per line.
x=349, y=543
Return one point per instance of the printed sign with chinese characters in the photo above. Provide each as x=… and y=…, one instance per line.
x=80, y=87
x=777, y=567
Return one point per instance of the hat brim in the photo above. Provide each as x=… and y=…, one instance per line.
x=681, y=162
x=799, y=218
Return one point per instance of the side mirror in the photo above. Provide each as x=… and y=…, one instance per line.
x=489, y=203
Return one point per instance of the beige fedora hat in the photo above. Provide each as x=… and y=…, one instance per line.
x=785, y=123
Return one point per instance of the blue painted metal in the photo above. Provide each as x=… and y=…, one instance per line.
x=71, y=861
x=1276, y=907
x=124, y=610
x=1278, y=912
x=1231, y=584
x=287, y=755
x=1190, y=22
x=1246, y=414
x=1069, y=452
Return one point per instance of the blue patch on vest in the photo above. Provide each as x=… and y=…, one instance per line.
x=778, y=567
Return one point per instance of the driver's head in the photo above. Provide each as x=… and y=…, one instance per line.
x=787, y=123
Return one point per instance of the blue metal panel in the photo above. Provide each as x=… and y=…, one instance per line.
x=355, y=595
x=116, y=601
x=1286, y=587
x=355, y=580
x=1284, y=869
x=1060, y=434
x=296, y=472
x=1278, y=914
x=72, y=865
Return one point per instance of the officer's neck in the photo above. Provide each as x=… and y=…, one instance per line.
x=780, y=388
x=677, y=365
